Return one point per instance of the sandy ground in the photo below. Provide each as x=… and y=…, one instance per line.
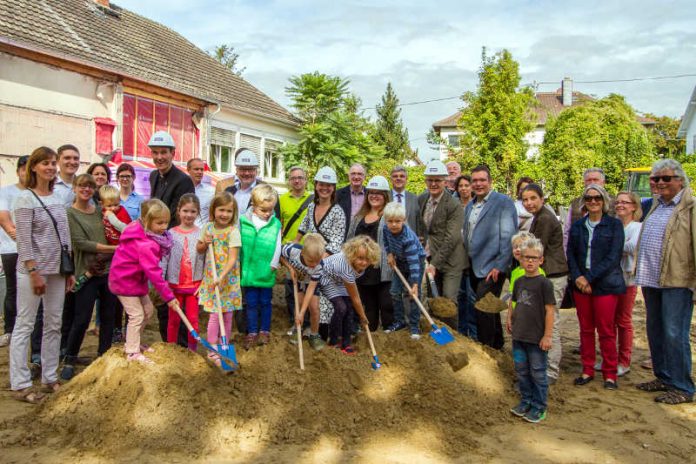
x=424, y=405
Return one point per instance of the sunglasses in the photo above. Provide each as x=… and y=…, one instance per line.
x=657, y=179
x=591, y=198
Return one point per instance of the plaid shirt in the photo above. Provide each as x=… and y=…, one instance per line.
x=651, y=241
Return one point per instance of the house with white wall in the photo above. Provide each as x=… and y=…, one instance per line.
x=90, y=73
x=547, y=105
x=687, y=128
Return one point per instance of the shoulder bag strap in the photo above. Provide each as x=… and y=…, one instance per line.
x=297, y=214
x=53, y=220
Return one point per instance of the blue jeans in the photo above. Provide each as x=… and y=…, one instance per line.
x=530, y=366
x=400, y=298
x=466, y=319
x=668, y=320
x=258, y=303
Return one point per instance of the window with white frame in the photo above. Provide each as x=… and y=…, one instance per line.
x=272, y=166
x=222, y=149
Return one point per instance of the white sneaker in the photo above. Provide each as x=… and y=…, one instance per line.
x=415, y=336
x=5, y=339
x=623, y=370
x=598, y=365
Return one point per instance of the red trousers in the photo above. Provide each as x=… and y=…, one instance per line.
x=189, y=304
x=597, y=313
x=624, y=325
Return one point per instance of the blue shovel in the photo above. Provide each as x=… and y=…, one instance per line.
x=225, y=349
x=441, y=335
x=223, y=359
x=375, y=363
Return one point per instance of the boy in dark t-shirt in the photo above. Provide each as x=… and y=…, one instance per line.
x=531, y=326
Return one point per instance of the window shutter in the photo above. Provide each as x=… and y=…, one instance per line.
x=252, y=143
x=223, y=137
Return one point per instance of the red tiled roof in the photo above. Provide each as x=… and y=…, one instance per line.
x=123, y=42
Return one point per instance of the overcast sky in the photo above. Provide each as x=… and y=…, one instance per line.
x=431, y=52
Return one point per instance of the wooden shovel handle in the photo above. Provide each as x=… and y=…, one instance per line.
x=218, y=300
x=369, y=339
x=414, y=297
x=298, y=327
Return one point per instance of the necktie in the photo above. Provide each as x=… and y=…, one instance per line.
x=398, y=197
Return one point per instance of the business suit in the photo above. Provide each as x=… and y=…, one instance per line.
x=490, y=248
x=444, y=238
x=414, y=219
x=169, y=188
x=343, y=200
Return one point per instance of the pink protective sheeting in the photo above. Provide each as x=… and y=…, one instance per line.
x=189, y=128
x=145, y=125
x=176, y=126
x=161, y=116
x=104, y=132
x=128, y=125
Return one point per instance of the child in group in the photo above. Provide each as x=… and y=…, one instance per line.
x=517, y=240
x=261, y=243
x=137, y=260
x=222, y=232
x=183, y=268
x=530, y=322
x=338, y=286
x=305, y=265
x=405, y=252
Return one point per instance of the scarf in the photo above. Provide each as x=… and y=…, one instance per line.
x=164, y=241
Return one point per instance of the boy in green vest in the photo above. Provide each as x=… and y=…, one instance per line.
x=260, y=231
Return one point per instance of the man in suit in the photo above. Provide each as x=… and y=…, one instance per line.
x=490, y=221
x=442, y=217
x=351, y=197
x=454, y=170
x=167, y=182
x=399, y=178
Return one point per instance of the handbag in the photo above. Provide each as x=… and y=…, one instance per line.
x=67, y=267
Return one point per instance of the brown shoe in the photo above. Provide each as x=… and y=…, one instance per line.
x=249, y=341
x=647, y=364
x=264, y=338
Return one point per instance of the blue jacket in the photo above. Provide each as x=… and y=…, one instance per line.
x=490, y=245
x=605, y=275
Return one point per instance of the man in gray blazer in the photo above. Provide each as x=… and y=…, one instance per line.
x=399, y=178
x=490, y=220
x=442, y=217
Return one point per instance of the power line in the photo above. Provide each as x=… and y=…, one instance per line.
x=536, y=83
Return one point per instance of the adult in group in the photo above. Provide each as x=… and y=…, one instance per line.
x=463, y=189
x=454, y=170
x=375, y=283
x=167, y=182
x=399, y=194
x=293, y=209
x=546, y=227
x=125, y=174
x=628, y=211
x=591, y=176
x=8, y=253
x=490, y=221
x=93, y=254
x=466, y=323
x=204, y=192
x=524, y=217
x=68, y=164
x=351, y=197
x=101, y=174
x=595, y=248
x=42, y=221
x=443, y=217
x=247, y=167
x=666, y=272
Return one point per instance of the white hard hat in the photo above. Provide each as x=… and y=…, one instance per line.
x=161, y=139
x=378, y=183
x=245, y=157
x=435, y=168
x=326, y=175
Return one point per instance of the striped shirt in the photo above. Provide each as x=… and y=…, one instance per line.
x=292, y=252
x=337, y=272
x=38, y=239
x=407, y=250
x=651, y=241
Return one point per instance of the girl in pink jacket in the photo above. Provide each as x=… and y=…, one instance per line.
x=136, y=261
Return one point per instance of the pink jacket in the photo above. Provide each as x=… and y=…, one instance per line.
x=135, y=262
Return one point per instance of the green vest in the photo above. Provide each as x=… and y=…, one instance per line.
x=258, y=248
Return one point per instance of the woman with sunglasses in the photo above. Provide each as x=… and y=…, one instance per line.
x=375, y=283
x=595, y=248
x=666, y=273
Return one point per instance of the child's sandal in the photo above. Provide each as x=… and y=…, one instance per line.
x=53, y=387
x=28, y=395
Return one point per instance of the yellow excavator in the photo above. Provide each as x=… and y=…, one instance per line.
x=638, y=180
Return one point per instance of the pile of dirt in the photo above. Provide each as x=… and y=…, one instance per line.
x=442, y=307
x=444, y=396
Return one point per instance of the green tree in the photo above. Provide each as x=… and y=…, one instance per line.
x=389, y=129
x=664, y=138
x=602, y=133
x=226, y=55
x=333, y=132
x=495, y=119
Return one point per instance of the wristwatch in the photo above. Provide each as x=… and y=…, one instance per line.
x=32, y=269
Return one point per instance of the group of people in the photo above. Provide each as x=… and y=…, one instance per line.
x=90, y=244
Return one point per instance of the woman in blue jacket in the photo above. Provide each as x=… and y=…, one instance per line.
x=595, y=248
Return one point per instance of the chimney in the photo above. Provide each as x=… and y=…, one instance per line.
x=104, y=3
x=567, y=91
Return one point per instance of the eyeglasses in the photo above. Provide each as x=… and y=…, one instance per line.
x=434, y=181
x=530, y=258
x=379, y=194
x=625, y=203
x=124, y=177
x=665, y=179
x=297, y=178
x=591, y=198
